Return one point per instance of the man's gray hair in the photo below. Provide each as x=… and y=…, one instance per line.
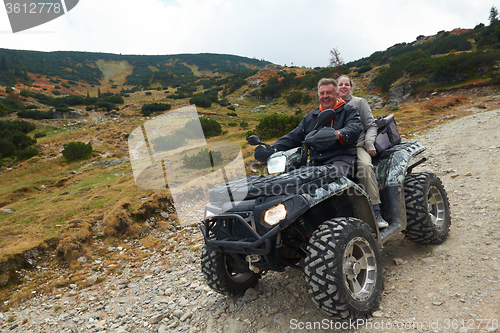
x=326, y=81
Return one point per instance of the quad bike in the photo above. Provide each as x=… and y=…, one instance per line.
x=308, y=218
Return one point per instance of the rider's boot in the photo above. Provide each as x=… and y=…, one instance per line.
x=381, y=223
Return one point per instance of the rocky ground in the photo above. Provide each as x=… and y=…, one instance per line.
x=452, y=287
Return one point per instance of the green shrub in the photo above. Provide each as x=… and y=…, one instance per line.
x=224, y=102
x=77, y=150
x=33, y=114
x=26, y=153
x=40, y=135
x=233, y=114
x=108, y=106
x=148, y=109
x=306, y=98
x=201, y=101
x=169, y=142
x=7, y=148
x=56, y=92
x=22, y=141
x=148, y=93
x=294, y=98
x=231, y=107
x=210, y=127
x=204, y=159
x=276, y=125
x=364, y=69
x=243, y=124
x=25, y=93
x=232, y=124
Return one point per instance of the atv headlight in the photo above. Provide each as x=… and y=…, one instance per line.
x=275, y=214
x=276, y=163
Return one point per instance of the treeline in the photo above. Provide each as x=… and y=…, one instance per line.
x=442, y=43
x=438, y=70
x=166, y=70
x=73, y=66
x=15, y=141
x=105, y=101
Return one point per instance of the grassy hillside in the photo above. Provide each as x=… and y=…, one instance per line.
x=447, y=58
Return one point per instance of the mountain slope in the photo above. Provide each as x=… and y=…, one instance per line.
x=444, y=59
x=147, y=69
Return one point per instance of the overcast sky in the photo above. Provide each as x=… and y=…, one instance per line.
x=297, y=32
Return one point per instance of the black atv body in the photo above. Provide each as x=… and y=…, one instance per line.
x=326, y=228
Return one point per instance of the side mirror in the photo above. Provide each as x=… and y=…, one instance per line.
x=324, y=117
x=254, y=140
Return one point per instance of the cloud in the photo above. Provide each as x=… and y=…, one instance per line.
x=284, y=32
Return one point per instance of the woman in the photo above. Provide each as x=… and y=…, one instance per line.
x=365, y=146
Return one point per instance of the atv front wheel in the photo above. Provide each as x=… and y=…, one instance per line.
x=427, y=208
x=223, y=274
x=344, y=269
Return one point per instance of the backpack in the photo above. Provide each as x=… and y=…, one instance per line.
x=387, y=133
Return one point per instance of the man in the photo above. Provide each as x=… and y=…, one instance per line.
x=342, y=133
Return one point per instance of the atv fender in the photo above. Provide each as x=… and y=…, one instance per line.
x=390, y=170
x=345, y=190
x=391, y=166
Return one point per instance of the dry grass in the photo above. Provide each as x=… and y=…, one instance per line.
x=423, y=115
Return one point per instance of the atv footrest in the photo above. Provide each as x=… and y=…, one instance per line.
x=230, y=233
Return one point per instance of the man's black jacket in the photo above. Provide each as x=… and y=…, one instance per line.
x=346, y=121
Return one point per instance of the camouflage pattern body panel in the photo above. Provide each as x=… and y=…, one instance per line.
x=390, y=168
x=336, y=188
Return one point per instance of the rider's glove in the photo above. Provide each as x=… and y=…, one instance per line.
x=262, y=153
x=322, y=138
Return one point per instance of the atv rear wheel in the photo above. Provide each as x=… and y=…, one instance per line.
x=344, y=269
x=427, y=208
x=223, y=275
